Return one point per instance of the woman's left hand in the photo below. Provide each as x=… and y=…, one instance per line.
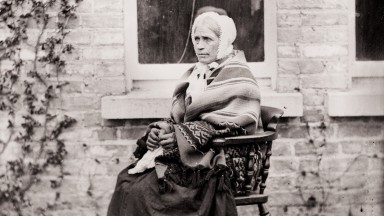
x=168, y=141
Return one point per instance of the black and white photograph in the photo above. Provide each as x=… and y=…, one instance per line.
x=191, y=107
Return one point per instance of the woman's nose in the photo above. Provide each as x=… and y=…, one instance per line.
x=200, y=45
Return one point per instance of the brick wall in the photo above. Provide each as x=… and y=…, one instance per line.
x=331, y=170
x=320, y=165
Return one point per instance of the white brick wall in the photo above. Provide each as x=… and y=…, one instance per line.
x=313, y=77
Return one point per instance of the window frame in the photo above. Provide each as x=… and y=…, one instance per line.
x=135, y=71
x=360, y=68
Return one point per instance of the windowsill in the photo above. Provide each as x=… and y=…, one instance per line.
x=356, y=103
x=148, y=104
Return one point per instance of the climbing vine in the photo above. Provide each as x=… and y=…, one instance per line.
x=317, y=200
x=32, y=49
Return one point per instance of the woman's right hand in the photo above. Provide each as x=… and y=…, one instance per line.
x=164, y=126
x=153, y=139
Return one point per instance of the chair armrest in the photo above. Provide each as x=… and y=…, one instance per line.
x=251, y=199
x=246, y=139
x=270, y=117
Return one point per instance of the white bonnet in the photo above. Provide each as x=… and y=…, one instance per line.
x=227, y=31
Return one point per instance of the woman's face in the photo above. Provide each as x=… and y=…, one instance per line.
x=206, y=44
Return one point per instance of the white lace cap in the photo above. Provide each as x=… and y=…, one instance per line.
x=227, y=31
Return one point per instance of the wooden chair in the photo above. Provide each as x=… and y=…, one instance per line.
x=248, y=158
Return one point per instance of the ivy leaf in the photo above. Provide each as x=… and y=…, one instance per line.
x=11, y=27
x=10, y=124
x=50, y=116
x=54, y=183
x=57, y=196
x=62, y=84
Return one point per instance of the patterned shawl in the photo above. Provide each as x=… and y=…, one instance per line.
x=231, y=96
x=230, y=105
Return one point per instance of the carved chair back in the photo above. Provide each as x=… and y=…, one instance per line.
x=248, y=158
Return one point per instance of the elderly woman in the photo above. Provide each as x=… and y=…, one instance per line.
x=217, y=96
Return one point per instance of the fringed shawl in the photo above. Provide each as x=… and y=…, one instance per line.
x=231, y=96
x=230, y=105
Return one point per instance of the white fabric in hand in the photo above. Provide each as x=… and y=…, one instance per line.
x=147, y=161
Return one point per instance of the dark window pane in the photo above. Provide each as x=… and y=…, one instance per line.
x=369, y=30
x=163, y=27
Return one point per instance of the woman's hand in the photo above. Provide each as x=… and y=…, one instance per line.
x=153, y=139
x=164, y=126
x=167, y=141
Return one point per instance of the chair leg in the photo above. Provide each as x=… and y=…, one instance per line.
x=263, y=210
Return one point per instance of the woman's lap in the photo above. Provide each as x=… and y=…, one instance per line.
x=139, y=195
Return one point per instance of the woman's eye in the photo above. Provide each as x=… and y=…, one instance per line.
x=197, y=39
x=206, y=38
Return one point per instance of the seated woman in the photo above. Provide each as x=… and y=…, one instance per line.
x=218, y=96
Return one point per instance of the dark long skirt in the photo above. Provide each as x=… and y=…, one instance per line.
x=139, y=195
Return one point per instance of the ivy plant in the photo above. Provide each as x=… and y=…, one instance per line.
x=32, y=50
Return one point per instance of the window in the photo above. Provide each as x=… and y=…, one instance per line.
x=366, y=68
x=369, y=30
x=163, y=28
x=366, y=38
x=157, y=30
